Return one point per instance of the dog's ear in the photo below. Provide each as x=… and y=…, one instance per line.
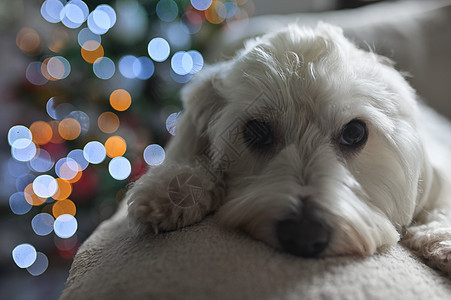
x=201, y=103
x=184, y=188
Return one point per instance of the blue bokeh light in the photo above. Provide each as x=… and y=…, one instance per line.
x=182, y=63
x=201, y=4
x=87, y=35
x=19, y=204
x=94, y=152
x=126, y=66
x=65, y=226
x=42, y=224
x=78, y=156
x=119, y=168
x=143, y=68
x=24, y=255
x=104, y=68
x=51, y=10
x=167, y=10
x=40, y=265
x=158, y=49
x=45, y=186
x=154, y=155
x=42, y=162
x=171, y=122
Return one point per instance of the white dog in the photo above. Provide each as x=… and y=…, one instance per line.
x=310, y=145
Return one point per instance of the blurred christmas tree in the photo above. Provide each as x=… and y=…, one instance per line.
x=98, y=101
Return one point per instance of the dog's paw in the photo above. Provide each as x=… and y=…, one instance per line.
x=168, y=198
x=433, y=243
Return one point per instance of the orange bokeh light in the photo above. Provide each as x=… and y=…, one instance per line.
x=108, y=122
x=64, y=207
x=211, y=14
x=69, y=129
x=76, y=178
x=28, y=41
x=64, y=189
x=56, y=138
x=115, y=146
x=42, y=132
x=120, y=100
x=91, y=51
x=31, y=197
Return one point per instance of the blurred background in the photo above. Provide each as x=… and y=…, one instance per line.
x=89, y=98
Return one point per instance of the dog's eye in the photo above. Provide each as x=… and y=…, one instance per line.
x=354, y=134
x=257, y=134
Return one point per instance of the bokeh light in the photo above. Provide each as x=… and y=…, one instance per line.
x=31, y=197
x=178, y=36
x=23, y=181
x=23, y=150
x=74, y=13
x=45, y=186
x=213, y=14
x=51, y=10
x=86, y=35
x=62, y=207
x=34, y=74
x=67, y=168
x=182, y=63
x=101, y=19
x=115, y=146
x=40, y=265
x=77, y=156
x=108, y=122
x=19, y=132
x=82, y=118
x=58, y=67
x=42, y=224
x=198, y=61
x=17, y=168
x=120, y=99
x=143, y=68
x=167, y=10
x=201, y=4
x=69, y=129
x=91, y=51
x=28, y=40
x=171, y=122
x=64, y=189
x=119, y=168
x=24, y=255
x=18, y=204
x=42, y=132
x=42, y=162
x=50, y=108
x=104, y=68
x=158, y=49
x=65, y=226
x=154, y=155
x=94, y=152
x=126, y=66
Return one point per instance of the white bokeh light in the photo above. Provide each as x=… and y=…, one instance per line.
x=119, y=168
x=65, y=226
x=24, y=255
x=158, y=49
x=154, y=155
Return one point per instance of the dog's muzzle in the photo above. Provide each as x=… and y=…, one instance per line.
x=303, y=234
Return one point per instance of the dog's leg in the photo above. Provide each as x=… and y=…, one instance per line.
x=185, y=188
x=432, y=240
x=171, y=196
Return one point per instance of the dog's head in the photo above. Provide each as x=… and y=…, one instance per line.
x=315, y=140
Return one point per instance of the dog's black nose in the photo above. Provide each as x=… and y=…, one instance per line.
x=303, y=236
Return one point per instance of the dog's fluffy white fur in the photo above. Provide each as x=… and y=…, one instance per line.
x=261, y=142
